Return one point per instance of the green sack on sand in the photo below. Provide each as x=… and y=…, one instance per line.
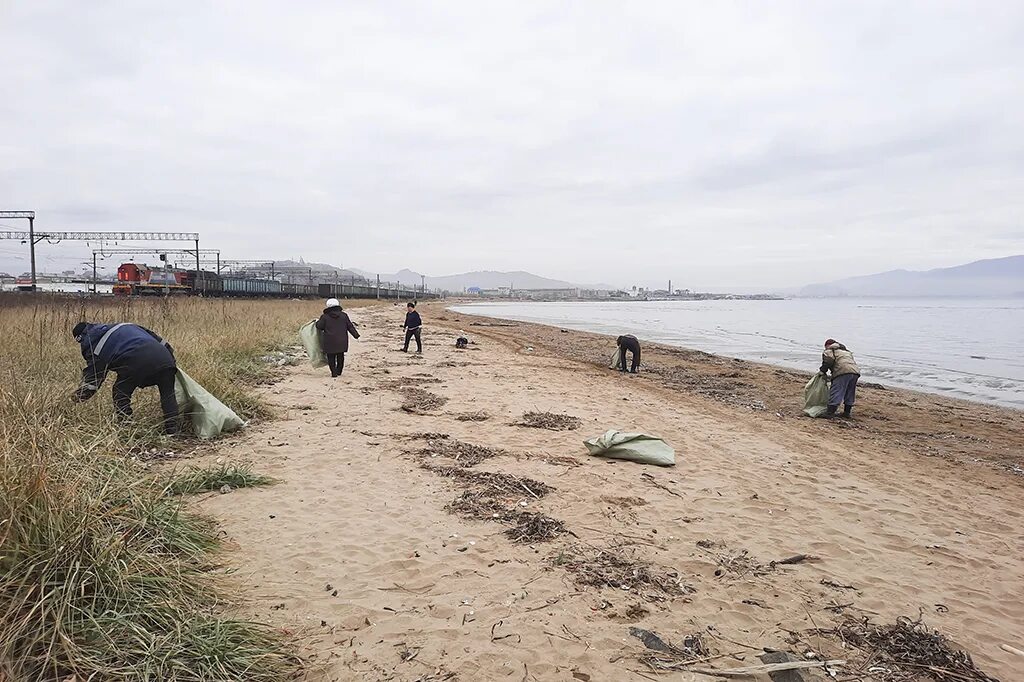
x=310, y=337
x=636, y=447
x=616, y=361
x=210, y=417
x=816, y=396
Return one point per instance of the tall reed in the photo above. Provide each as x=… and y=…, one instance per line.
x=104, y=574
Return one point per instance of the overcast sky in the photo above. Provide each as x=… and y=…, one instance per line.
x=719, y=144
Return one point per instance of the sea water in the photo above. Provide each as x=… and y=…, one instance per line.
x=964, y=348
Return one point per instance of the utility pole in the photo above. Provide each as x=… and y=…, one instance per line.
x=197, y=255
x=93, y=272
x=32, y=247
x=31, y=216
x=378, y=287
x=423, y=284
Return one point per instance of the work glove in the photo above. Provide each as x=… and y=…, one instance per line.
x=82, y=394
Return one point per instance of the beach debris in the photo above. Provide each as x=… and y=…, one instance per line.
x=651, y=640
x=493, y=496
x=532, y=527
x=670, y=656
x=465, y=454
x=739, y=564
x=624, y=501
x=606, y=568
x=418, y=401
x=424, y=435
x=478, y=416
x=767, y=668
x=796, y=559
x=402, y=383
x=836, y=586
x=648, y=478
x=549, y=420
x=908, y=648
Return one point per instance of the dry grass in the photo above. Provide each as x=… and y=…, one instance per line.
x=104, y=574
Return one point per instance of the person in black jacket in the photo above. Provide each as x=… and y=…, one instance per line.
x=138, y=356
x=413, y=325
x=335, y=326
x=628, y=342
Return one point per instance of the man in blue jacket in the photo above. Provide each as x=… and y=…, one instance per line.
x=138, y=356
x=413, y=327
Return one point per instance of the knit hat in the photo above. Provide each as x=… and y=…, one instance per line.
x=333, y=303
x=79, y=329
x=829, y=342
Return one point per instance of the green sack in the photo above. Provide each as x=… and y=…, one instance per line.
x=816, y=396
x=209, y=416
x=310, y=337
x=636, y=447
x=616, y=361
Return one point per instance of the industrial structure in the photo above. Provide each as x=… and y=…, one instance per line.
x=249, y=278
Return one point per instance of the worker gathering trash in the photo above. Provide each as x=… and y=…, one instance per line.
x=141, y=359
x=838, y=361
x=335, y=326
x=628, y=343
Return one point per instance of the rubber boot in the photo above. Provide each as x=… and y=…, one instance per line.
x=831, y=412
x=848, y=411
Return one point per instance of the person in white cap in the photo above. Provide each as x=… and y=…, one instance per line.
x=335, y=326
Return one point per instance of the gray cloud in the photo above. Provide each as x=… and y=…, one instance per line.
x=714, y=143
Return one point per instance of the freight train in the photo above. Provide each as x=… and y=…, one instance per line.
x=139, y=280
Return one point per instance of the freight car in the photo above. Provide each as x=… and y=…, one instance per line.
x=134, y=280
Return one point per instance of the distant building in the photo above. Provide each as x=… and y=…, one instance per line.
x=546, y=294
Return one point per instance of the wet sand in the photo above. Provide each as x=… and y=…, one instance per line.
x=914, y=507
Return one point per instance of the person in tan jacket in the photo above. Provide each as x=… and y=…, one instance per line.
x=845, y=373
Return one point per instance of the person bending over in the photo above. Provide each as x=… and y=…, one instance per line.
x=628, y=342
x=845, y=374
x=138, y=356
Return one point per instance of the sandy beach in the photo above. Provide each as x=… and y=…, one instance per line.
x=381, y=549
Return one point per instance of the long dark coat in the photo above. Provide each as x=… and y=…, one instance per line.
x=335, y=327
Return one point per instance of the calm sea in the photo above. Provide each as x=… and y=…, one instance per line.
x=965, y=348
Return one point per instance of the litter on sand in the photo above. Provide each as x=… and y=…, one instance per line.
x=209, y=416
x=635, y=447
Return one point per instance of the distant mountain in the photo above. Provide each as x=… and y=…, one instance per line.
x=486, y=279
x=993, y=277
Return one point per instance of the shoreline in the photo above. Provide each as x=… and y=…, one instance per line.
x=964, y=430
x=943, y=389
x=367, y=551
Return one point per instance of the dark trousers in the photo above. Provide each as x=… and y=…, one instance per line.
x=843, y=390
x=635, y=350
x=164, y=380
x=409, y=334
x=336, y=361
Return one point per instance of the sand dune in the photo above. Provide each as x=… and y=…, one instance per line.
x=355, y=551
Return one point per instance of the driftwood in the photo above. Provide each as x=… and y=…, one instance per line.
x=766, y=668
